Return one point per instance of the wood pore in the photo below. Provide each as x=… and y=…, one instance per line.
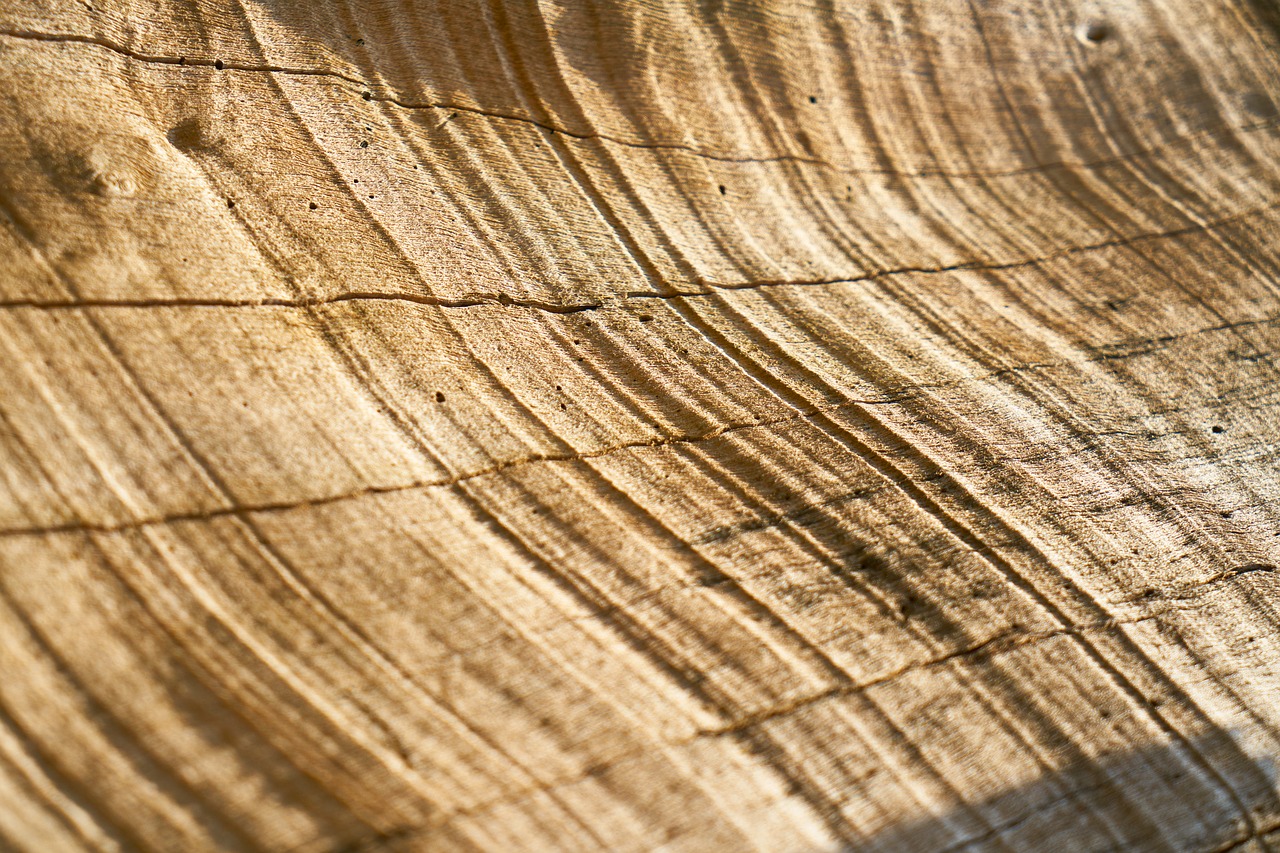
x=719, y=426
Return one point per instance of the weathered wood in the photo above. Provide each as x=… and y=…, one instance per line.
x=722, y=426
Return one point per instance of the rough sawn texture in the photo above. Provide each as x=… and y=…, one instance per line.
x=624, y=426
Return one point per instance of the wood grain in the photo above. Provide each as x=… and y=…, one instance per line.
x=639, y=426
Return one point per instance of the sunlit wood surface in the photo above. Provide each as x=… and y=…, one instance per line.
x=781, y=426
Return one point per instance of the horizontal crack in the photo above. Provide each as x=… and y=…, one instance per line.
x=709, y=288
x=182, y=61
x=1011, y=639
x=248, y=509
x=470, y=301
x=1006, y=641
x=897, y=397
x=1185, y=591
x=695, y=150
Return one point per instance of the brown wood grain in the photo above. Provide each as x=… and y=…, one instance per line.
x=667, y=426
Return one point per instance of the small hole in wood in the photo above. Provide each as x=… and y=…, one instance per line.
x=217, y=63
x=722, y=190
x=439, y=396
x=1096, y=31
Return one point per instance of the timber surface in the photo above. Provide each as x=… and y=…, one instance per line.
x=639, y=426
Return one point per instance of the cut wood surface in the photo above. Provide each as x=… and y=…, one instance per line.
x=715, y=426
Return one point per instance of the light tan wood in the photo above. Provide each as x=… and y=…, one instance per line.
x=639, y=426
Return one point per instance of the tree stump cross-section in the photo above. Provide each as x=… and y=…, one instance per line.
x=683, y=426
